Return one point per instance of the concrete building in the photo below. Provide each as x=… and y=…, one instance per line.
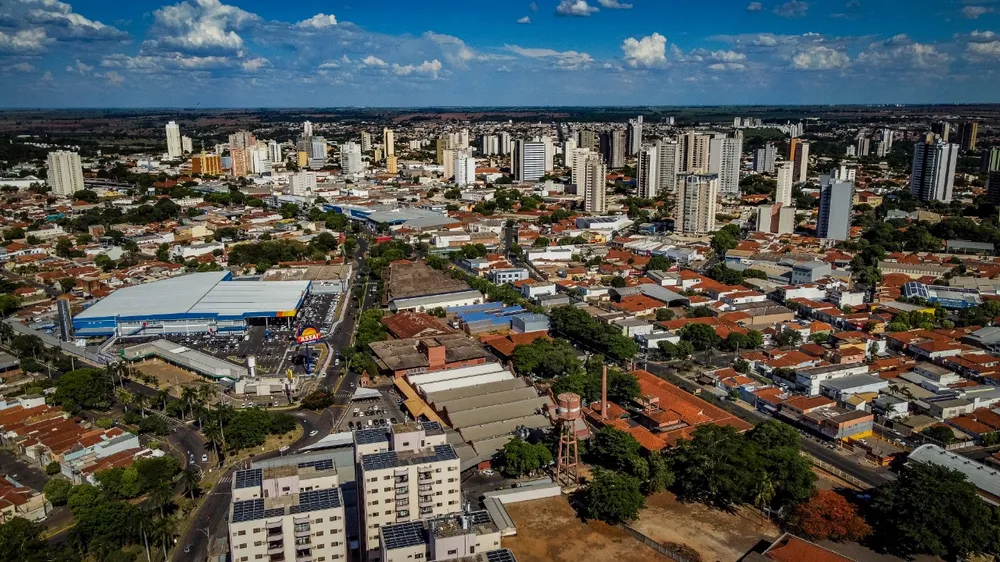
x=647, y=172
x=776, y=219
x=391, y=165
x=288, y=513
x=991, y=160
x=589, y=140
x=799, y=156
x=933, y=175
x=967, y=133
x=634, y=135
x=696, y=203
x=594, y=184
x=783, y=190
x=187, y=145
x=810, y=378
x=528, y=163
x=350, y=158
x=406, y=474
x=302, y=183
x=694, y=152
x=65, y=173
x=764, y=159
x=835, y=202
x=206, y=164
x=389, y=142
x=612, y=147
x=366, y=141
x=465, y=168
x=450, y=537
x=724, y=155
x=668, y=153
x=175, y=148
x=274, y=152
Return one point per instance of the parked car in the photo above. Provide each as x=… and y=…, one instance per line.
x=313, y=433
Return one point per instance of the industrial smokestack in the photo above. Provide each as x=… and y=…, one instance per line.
x=604, y=393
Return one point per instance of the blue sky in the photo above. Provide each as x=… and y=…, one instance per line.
x=244, y=53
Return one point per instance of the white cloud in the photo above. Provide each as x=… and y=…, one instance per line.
x=80, y=67
x=575, y=8
x=24, y=40
x=204, y=25
x=818, y=57
x=454, y=50
x=614, y=5
x=720, y=66
x=755, y=7
x=978, y=52
x=792, y=9
x=373, y=61
x=901, y=51
x=319, y=21
x=524, y=20
x=47, y=77
x=564, y=59
x=60, y=19
x=646, y=52
x=984, y=35
x=114, y=78
x=533, y=7
x=429, y=68
x=254, y=64
x=18, y=67
x=973, y=12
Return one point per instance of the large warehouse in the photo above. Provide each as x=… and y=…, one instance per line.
x=195, y=303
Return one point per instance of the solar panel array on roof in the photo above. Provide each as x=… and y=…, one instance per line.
x=369, y=436
x=403, y=535
x=322, y=464
x=316, y=500
x=480, y=517
x=274, y=512
x=248, y=478
x=500, y=556
x=390, y=459
x=378, y=461
x=248, y=510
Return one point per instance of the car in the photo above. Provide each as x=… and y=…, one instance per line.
x=313, y=433
x=204, y=458
x=188, y=548
x=488, y=472
x=283, y=449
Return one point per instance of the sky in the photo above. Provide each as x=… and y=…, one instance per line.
x=409, y=53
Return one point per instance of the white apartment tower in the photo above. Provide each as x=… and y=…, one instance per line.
x=366, y=141
x=505, y=144
x=65, y=173
x=274, y=152
x=579, y=170
x=350, y=158
x=550, y=153
x=307, y=129
x=669, y=155
x=528, y=163
x=187, y=145
x=783, y=190
x=933, y=175
x=634, y=135
x=647, y=172
x=694, y=152
x=594, y=184
x=724, y=156
x=175, y=147
x=288, y=513
x=407, y=473
x=465, y=168
x=696, y=203
x=302, y=183
x=568, y=151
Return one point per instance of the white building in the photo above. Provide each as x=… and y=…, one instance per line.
x=187, y=145
x=260, y=160
x=65, y=173
x=783, y=191
x=933, y=175
x=465, y=168
x=724, y=155
x=389, y=142
x=668, y=154
x=274, y=152
x=696, y=203
x=594, y=184
x=529, y=161
x=174, y=146
x=350, y=158
x=647, y=172
x=302, y=183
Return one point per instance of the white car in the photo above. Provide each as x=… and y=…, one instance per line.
x=283, y=449
x=313, y=433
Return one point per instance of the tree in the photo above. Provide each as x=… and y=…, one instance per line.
x=67, y=284
x=612, y=497
x=658, y=263
x=53, y=468
x=940, y=433
x=83, y=389
x=701, y=336
x=546, y=359
x=618, y=282
x=726, y=239
x=829, y=516
x=519, y=457
x=664, y=314
x=317, y=400
x=21, y=541
x=57, y=490
x=190, y=480
x=163, y=252
x=86, y=195
x=932, y=510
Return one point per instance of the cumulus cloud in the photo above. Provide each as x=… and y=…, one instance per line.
x=203, y=25
x=80, y=67
x=319, y=21
x=47, y=77
x=429, y=68
x=533, y=7
x=721, y=66
x=254, y=64
x=454, y=50
x=982, y=51
x=524, y=20
x=792, y=9
x=23, y=41
x=373, y=61
x=755, y=7
x=114, y=78
x=646, y=52
x=563, y=59
x=614, y=5
x=818, y=57
x=901, y=51
x=973, y=12
x=575, y=8
x=59, y=19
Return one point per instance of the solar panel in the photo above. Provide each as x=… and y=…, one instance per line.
x=248, y=478
x=323, y=464
x=378, y=461
x=248, y=510
x=500, y=556
x=390, y=459
x=480, y=517
x=403, y=535
x=316, y=500
x=369, y=436
x=274, y=512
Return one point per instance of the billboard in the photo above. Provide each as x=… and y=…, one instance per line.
x=308, y=334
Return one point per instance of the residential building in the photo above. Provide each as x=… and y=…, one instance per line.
x=391, y=165
x=835, y=202
x=809, y=379
x=366, y=141
x=634, y=135
x=696, y=203
x=933, y=175
x=967, y=133
x=206, y=164
x=991, y=160
x=65, y=173
x=274, y=152
x=302, y=183
x=594, y=184
x=389, y=142
x=528, y=161
x=668, y=154
x=307, y=129
x=579, y=170
x=764, y=159
x=406, y=474
x=174, y=146
x=647, y=172
x=187, y=145
x=993, y=187
x=799, y=156
x=469, y=536
x=783, y=190
x=569, y=152
x=724, y=155
x=350, y=158
x=694, y=152
x=465, y=168
x=291, y=512
x=589, y=140
x=612, y=146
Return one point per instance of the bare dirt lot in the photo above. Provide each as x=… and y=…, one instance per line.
x=716, y=535
x=168, y=376
x=549, y=530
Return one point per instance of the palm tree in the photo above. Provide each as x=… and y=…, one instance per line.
x=6, y=332
x=189, y=396
x=147, y=526
x=162, y=396
x=124, y=397
x=213, y=433
x=161, y=496
x=141, y=401
x=764, y=493
x=207, y=392
x=191, y=480
x=164, y=532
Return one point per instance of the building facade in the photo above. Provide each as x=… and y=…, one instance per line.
x=933, y=175
x=835, y=202
x=174, y=146
x=65, y=173
x=696, y=203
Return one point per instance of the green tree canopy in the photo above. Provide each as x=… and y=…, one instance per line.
x=546, y=359
x=85, y=388
x=612, y=497
x=518, y=458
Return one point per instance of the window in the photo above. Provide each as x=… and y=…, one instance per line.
x=418, y=555
x=438, y=493
x=373, y=479
x=318, y=520
x=320, y=545
x=472, y=550
x=453, y=551
x=319, y=533
x=258, y=557
x=388, y=490
x=437, y=470
x=387, y=501
x=244, y=545
x=387, y=477
x=244, y=559
x=453, y=502
x=452, y=468
x=241, y=532
x=285, y=489
x=388, y=512
x=450, y=480
x=258, y=543
x=256, y=530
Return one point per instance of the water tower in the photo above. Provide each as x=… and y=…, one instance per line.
x=568, y=412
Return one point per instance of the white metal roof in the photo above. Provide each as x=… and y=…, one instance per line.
x=449, y=374
x=465, y=381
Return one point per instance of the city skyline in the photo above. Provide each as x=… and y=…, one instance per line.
x=210, y=53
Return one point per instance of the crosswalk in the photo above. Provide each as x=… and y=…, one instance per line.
x=226, y=480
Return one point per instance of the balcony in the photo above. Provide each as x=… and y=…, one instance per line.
x=303, y=541
x=426, y=511
x=402, y=514
x=402, y=490
x=275, y=533
x=403, y=479
x=277, y=558
x=424, y=488
x=275, y=547
x=303, y=556
x=273, y=524
x=425, y=477
x=402, y=502
x=426, y=501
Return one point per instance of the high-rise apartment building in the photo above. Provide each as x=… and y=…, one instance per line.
x=798, y=154
x=465, y=168
x=933, y=175
x=389, y=142
x=864, y=147
x=568, y=150
x=579, y=169
x=634, y=135
x=991, y=160
x=288, y=513
x=764, y=159
x=725, y=154
x=174, y=146
x=391, y=165
x=783, y=189
x=449, y=163
x=968, y=131
x=443, y=143
x=505, y=143
x=307, y=129
x=489, y=145
x=776, y=219
x=470, y=536
x=64, y=172
x=463, y=139
x=187, y=145
x=366, y=141
x=242, y=139
x=694, y=152
x=835, y=200
x=648, y=172
x=302, y=183
x=528, y=160
x=993, y=188
x=350, y=158
x=550, y=153
x=668, y=153
x=260, y=161
x=696, y=203
x=206, y=164
x=942, y=129
x=406, y=474
x=274, y=152
x=240, y=144
x=612, y=146
x=594, y=184
x=589, y=140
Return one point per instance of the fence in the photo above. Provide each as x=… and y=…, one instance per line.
x=827, y=467
x=658, y=547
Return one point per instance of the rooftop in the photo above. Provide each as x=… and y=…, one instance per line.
x=408, y=279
